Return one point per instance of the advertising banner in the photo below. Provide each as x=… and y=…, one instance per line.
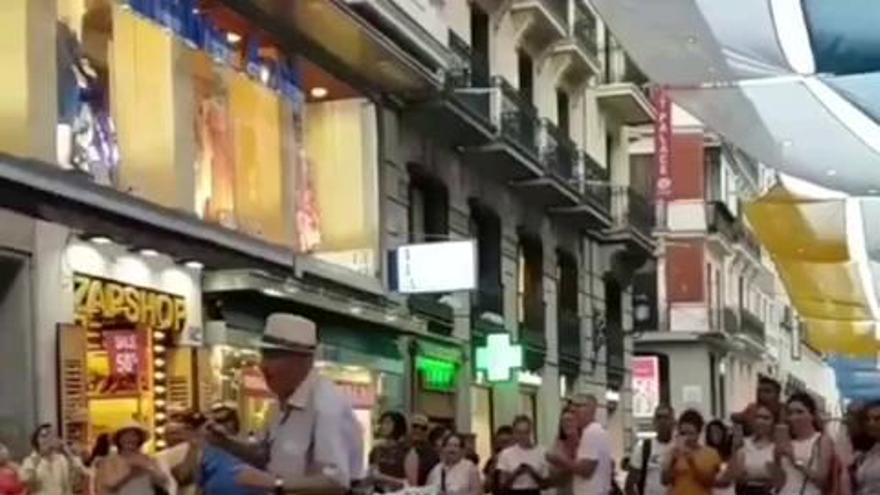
x=663, y=143
x=646, y=385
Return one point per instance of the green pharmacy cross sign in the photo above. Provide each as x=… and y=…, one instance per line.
x=499, y=357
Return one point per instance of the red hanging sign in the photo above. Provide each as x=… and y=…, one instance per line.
x=124, y=353
x=663, y=142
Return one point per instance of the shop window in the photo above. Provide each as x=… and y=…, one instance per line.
x=530, y=285
x=191, y=108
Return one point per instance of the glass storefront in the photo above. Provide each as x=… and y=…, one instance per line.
x=240, y=133
x=126, y=353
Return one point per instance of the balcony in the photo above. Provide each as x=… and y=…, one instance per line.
x=633, y=220
x=624, y=92
x=512, y=153
x=539, y=23
x=749, y=243
x=558, y=156
x=721, y=225
x=594, y=210
x=751, y=326
x=578, y=54
x=730, y=321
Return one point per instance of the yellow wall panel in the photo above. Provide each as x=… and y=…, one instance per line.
x=335, y=144
x=142, y=100
x=28, y=104
x=256, y=120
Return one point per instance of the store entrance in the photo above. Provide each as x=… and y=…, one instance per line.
x=16, y=353
x=120, y=361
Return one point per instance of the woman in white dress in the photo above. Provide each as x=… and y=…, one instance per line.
x=805, y=454
x=755, y=471
x=455, y=475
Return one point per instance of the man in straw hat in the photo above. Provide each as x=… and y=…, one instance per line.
x=314, y=444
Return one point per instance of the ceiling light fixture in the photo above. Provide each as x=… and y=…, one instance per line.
x=233, y=38
x=831, y=172
x=787, y=143
x=873, y=191
x=195, y=265
x=319, y=92
x=99, y=239
x=149, y=252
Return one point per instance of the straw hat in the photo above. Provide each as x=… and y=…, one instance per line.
x=287, y=332
x=131, y=425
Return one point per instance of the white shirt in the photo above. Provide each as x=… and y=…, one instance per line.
x=512, y=457
x=755, y=459
x=460, y=479
x=316, y=432
x=595, y=446
x=654, y=467
x=805, y=453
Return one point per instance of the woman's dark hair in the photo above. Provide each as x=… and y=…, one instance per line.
x=808, y=402
x=100, y=449
x=399, y=421
x=862, y=441
x=692, y=417
x=437, y=433
x=565, y=411
x=35, y=436
x=724, y=445
x=805, y=399
x=504, y=430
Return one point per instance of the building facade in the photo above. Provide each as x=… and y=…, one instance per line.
x=185, y=168
x=723, y=318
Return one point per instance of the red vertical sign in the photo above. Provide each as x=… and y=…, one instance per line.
x=663, y=143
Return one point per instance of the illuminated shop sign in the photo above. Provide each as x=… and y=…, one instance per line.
x=105, y=302
x=434, y=267
x=499, y=358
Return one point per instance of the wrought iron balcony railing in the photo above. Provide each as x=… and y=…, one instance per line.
x=584, y=29
x=633, y=209
x=595, y=182
x=558, y=153
x=517, y=118
x=751, y=325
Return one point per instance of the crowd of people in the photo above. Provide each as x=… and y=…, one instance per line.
x=773, y=447
x=578, y=463
x=314, y=447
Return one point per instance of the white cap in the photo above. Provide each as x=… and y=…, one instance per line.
x=285, y=331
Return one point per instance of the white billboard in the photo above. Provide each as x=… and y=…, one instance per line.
x=434, y=267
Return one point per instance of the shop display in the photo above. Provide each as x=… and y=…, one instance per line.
x=119, y=359
x=236, y=379
x=87, y=135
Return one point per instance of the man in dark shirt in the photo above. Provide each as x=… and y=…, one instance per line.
x=769, y=394
x=423, y=456
x=492, y=482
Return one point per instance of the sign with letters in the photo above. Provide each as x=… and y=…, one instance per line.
x=99, y=302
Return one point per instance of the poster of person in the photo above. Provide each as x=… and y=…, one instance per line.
x=646, y=385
